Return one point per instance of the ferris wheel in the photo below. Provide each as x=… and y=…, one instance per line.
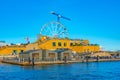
x=54, y=29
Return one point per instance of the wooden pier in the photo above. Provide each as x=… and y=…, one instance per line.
x=54, y=62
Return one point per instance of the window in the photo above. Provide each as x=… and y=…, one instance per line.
x=59, y=44
x=15, y=52
x=65, y=44
x=54, y=43
x=22, y=51
x=71, y=44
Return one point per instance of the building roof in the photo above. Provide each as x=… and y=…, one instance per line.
x=29, y=51
x=60, y=50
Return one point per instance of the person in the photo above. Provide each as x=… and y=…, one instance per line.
x=97, y=58
x=3, y=58
x=19, y=60
x=86, y=58
x=29, y=60
x=22, y=59
x=65, y=59
x=32, y=61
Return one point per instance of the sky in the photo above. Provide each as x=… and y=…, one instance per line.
x=95, y=20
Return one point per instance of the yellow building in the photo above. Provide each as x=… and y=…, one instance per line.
x=78, y=46
x=12, y=50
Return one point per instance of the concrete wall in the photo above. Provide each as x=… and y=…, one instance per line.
x=44, y=55
x=30, y=55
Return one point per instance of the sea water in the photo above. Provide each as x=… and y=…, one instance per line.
x=74, y=71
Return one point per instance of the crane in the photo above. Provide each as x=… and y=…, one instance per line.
x=59, y=16
x=27, y=39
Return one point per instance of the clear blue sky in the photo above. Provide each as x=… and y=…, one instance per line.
x=96, y=20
